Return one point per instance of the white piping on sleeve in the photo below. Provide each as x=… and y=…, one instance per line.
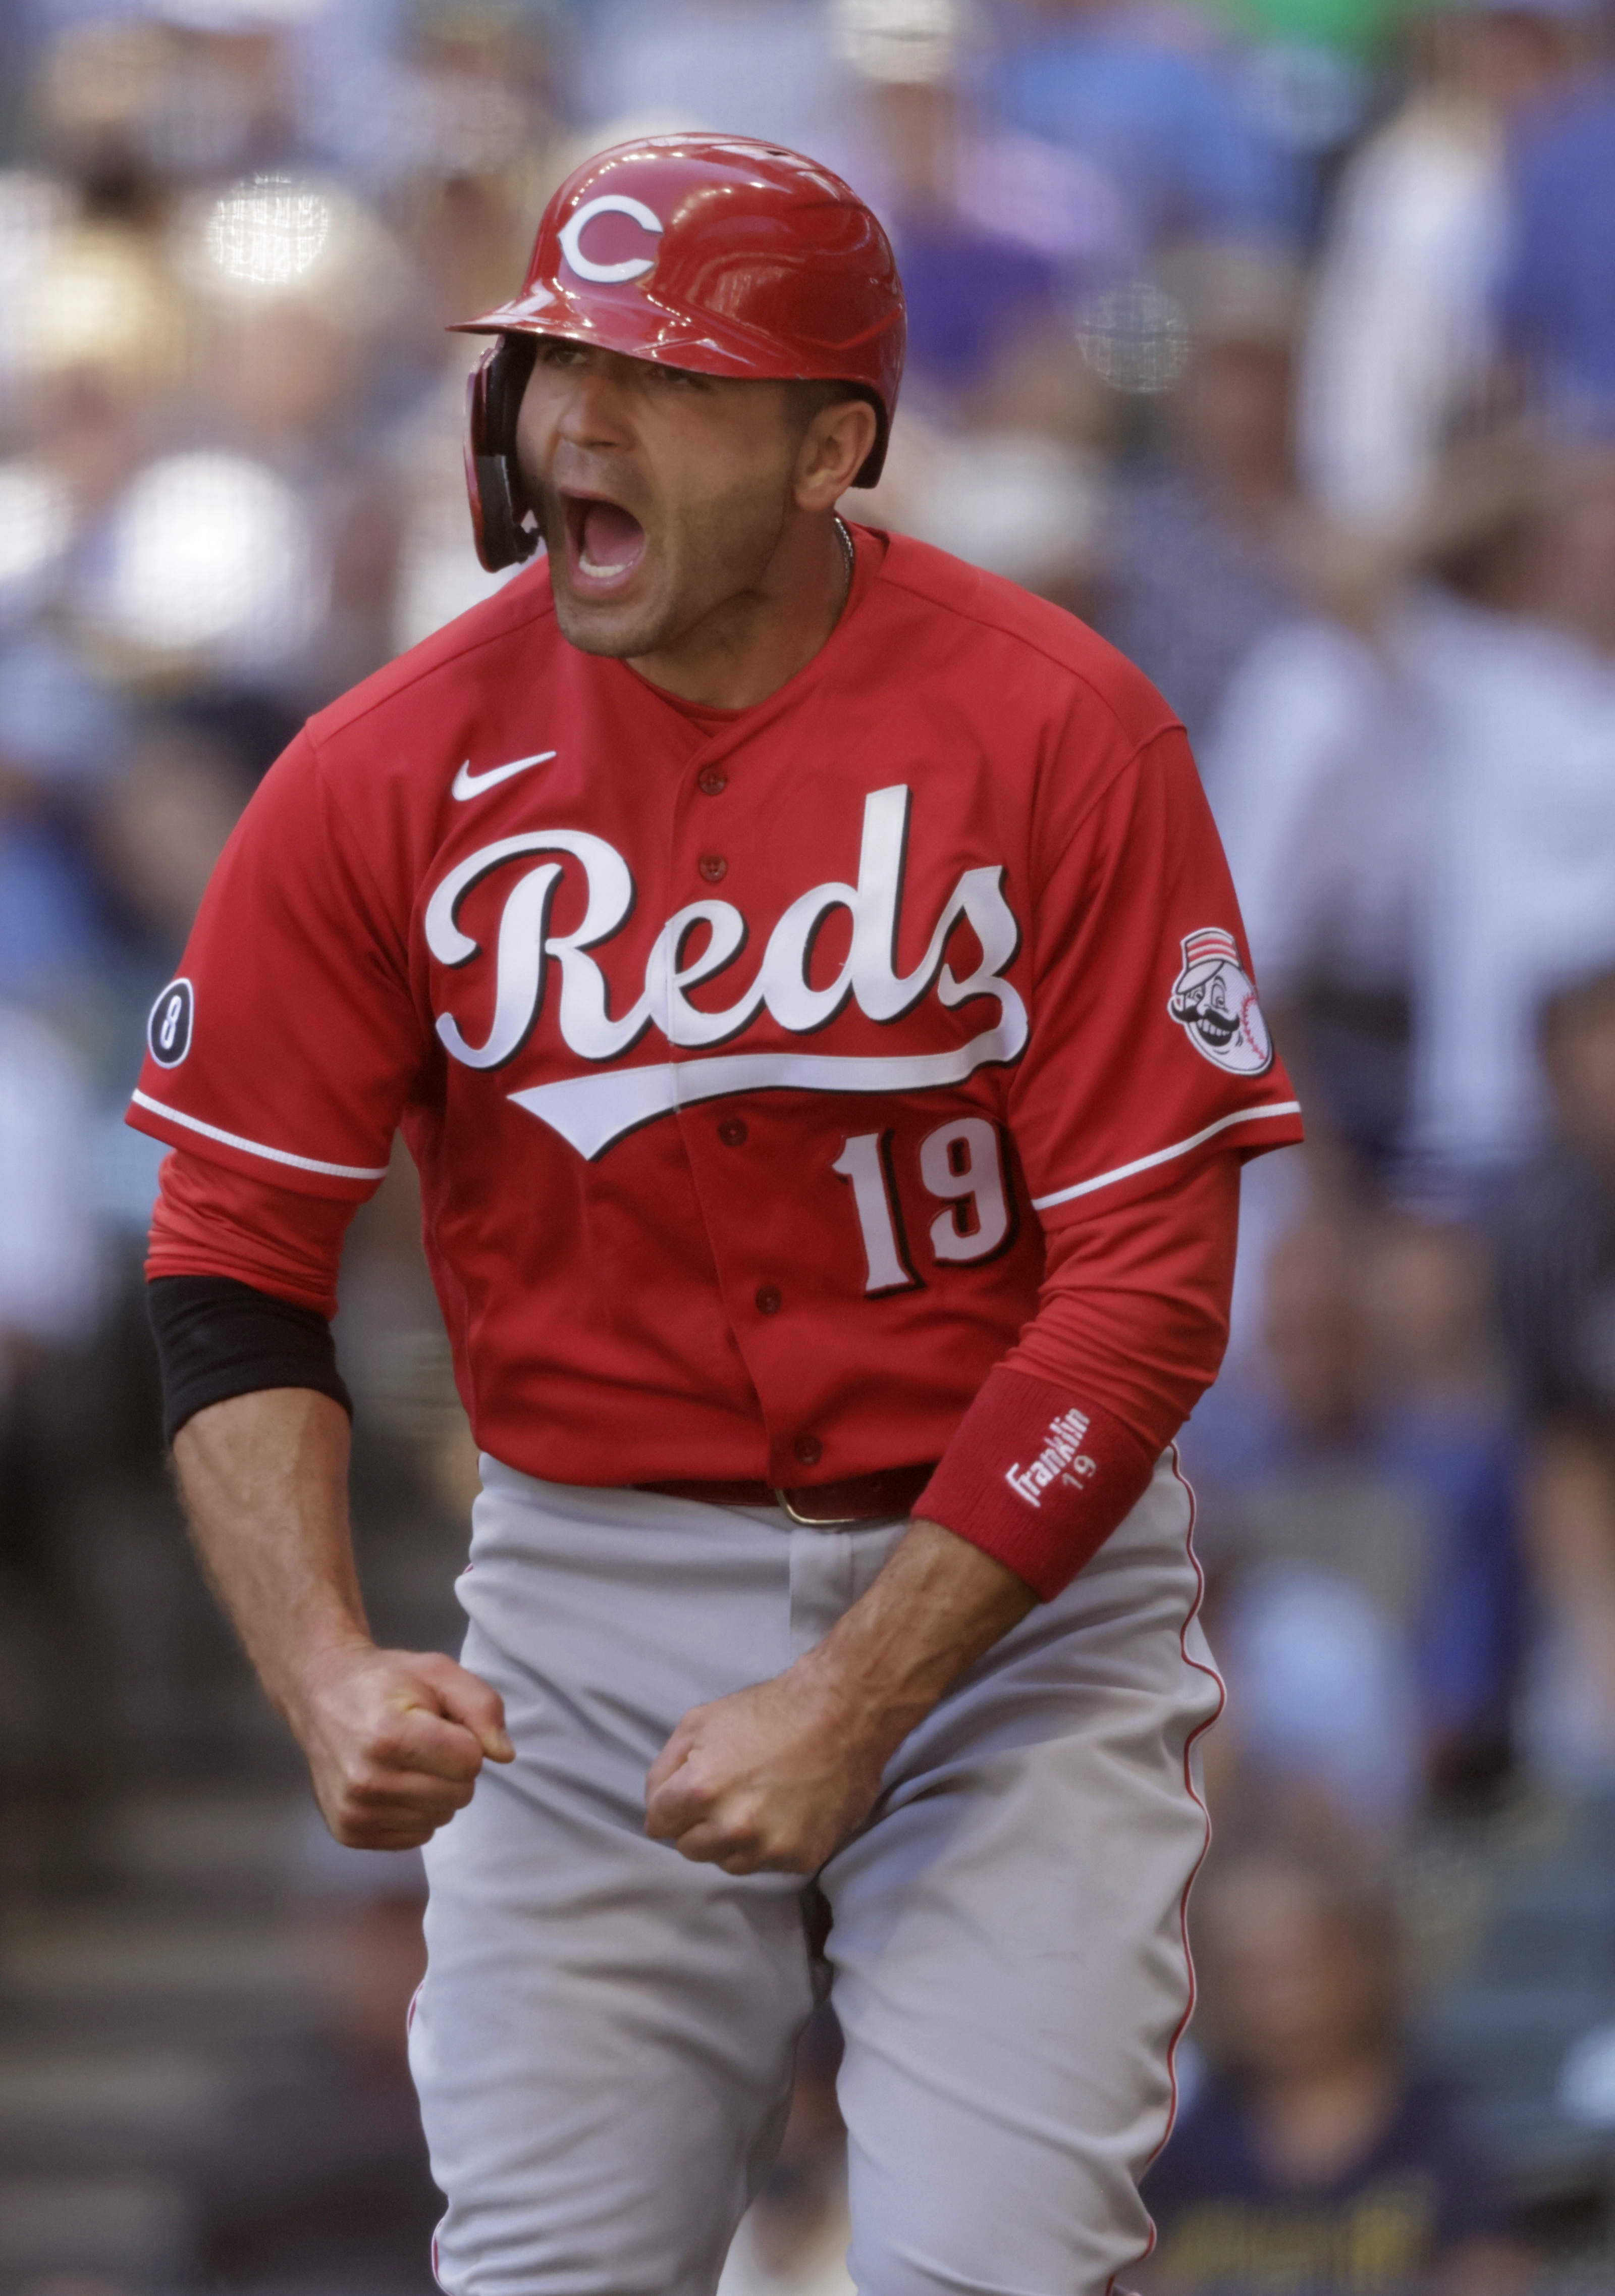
x=1165, y=1155
x=256, y=1147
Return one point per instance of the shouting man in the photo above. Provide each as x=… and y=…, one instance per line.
x=788, y=954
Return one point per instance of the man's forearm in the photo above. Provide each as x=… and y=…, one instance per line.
x=395, y=1739
x=939, y=1605
x=777, y=1776
x=265, y=1482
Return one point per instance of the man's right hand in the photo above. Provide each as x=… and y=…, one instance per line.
x=395, y=1740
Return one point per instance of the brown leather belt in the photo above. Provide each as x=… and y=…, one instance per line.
x=825, y=1506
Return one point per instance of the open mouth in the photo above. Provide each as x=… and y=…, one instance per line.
x=605, y=544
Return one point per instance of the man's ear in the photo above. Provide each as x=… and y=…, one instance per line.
x=835, y=446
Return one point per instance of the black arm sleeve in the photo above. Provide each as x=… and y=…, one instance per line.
x=216, y=1338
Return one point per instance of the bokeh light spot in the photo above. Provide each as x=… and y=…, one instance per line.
x=1134, y=337
x=270, y=232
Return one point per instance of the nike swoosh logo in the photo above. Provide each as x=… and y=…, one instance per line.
x=469, y=785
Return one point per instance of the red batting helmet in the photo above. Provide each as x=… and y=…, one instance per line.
x=710, y=252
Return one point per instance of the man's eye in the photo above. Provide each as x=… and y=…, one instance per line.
x=679, y=378
x=557, y=354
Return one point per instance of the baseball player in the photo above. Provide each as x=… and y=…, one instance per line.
x=803, y=970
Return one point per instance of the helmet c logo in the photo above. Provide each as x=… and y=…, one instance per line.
x=608, y=274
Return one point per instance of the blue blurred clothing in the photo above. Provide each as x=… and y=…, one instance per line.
x=1471, y=1629
x=1229, y=2227
x=1460, y=1468
x=1557, y=300
x=1165, y=120
x=1553, y=1224
x=771, y=71
x=1323, y=1693
x=1186, y=594
x=63, y=737
x=968, y=293
x=51, y=927
x=58, y=725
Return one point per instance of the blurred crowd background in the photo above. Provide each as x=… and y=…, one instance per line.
x=1276, y=338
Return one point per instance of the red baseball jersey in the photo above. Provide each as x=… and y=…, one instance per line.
x=744, y=1056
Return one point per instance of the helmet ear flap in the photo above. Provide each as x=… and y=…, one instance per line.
x=503, y=520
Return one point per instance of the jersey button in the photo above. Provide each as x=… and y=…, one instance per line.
x=712, y=867
x=809, y=1450
x=712, y=781
x=732, y=1132
x=768, y=1300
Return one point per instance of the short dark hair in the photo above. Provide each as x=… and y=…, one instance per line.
x=811, y=398
x=807, y=399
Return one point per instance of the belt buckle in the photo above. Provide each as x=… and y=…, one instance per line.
x=817, y=1521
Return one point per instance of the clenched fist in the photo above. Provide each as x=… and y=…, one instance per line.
x=774, y=1778
x=768, y=1780
x=395, y=1740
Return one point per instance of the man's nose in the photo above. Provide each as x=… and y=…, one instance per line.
x=596, y=410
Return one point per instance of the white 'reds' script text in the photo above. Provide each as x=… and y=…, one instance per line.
x=591, y=1111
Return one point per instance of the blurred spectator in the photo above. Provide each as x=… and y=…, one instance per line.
x=1518, y=877
x=1149, y=96
x=997, y=234
x=983, y=298
x=164, y=823
x=435, y=575
x=52, y=1280
x=1310, y=763
x=128, y=101
x=1309, y=2157
x=993, y=455
x=1555, y=1229
x=295, y=287
x=62, y=741
x=1557, y=301
x=1556, y=1223
x=1019, y=501
x=298, y=297
x=1198, y=562
x=766, y=71
x=471, y=160
x=36, y=213
x=98, y=356
x=1399, y=350
x=446, y=106
x=210, y=569
x=317, y=2178
x=50, y=1272
x=928, y=132
x=1358, y=1518
x=1325, y=1710
x=1420, y=814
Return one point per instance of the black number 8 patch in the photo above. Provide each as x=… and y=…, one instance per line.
x=169, y=1030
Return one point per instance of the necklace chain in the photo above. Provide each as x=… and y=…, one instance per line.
x=849, y=562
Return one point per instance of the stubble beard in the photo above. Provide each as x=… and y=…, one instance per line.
x=596, y=629
x=720, y=560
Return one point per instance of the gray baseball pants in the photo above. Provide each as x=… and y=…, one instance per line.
x=603, y=2042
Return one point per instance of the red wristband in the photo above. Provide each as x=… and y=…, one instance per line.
x=1036, y=1479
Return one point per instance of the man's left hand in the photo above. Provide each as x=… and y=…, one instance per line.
x=770, y=1780
x=774, y=1779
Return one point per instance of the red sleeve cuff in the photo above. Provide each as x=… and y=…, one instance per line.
x=1036, y=1479
x=209, y=1220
